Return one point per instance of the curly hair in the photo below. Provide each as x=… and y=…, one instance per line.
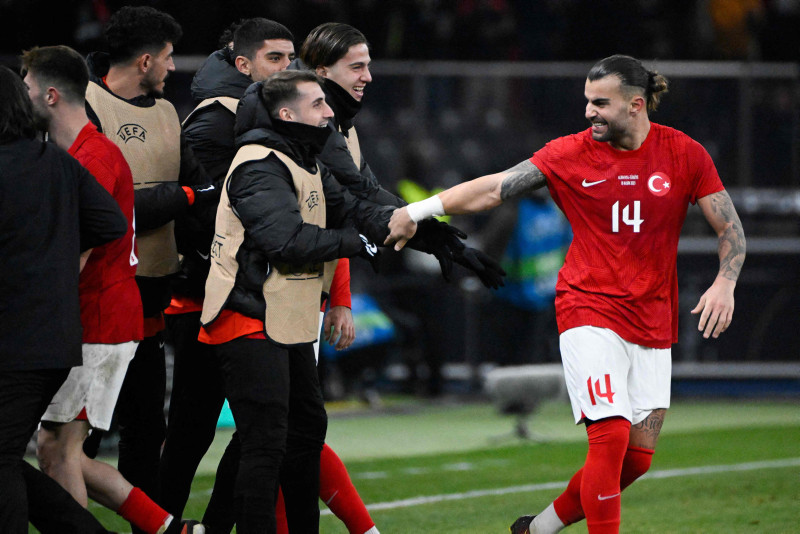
x=632, y=75
x=134, y=30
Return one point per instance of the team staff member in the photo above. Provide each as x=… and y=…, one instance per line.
x=124, y=100
x=262, y=47
x=339, y=54
x=280, y=218
x=111, y=309
x=51, y=209
x=625, y=185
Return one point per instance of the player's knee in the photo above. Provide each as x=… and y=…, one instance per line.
x=48, y=452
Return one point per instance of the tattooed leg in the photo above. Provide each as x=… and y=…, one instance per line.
x=645, y=434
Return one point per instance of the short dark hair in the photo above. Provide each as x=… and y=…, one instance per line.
x=328, y=43
x=134, y=30
x=16, y=111
x=60, y=67
x=281, y=88
x=632, y=75
x=251, y=34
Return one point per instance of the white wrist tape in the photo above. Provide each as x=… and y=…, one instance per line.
x=425, y=209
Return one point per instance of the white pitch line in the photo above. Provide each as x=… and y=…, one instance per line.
x=664, y=473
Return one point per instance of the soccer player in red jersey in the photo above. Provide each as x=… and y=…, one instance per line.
x=111, y=308
x=625, y=185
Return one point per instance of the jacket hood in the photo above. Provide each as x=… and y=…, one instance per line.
x=219, y=77
x=300, y=142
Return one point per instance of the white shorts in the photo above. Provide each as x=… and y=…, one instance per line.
x=607, y=376
x=95, y=385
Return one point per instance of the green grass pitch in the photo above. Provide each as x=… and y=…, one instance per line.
x=726, y=466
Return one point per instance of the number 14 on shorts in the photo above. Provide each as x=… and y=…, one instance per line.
x=597, y=390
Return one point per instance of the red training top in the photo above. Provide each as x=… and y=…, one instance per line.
x=626, y=209
x=111, y=308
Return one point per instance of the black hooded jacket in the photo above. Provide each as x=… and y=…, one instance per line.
x=262, y=195
x=210, y=130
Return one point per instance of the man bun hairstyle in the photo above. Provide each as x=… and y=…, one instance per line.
x=280, y=89
x=16, y=110
x=134, y=30
x=60, y=67
x=633, y=75
x=328, y=43
x=250, y=35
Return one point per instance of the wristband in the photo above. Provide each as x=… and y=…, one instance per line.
x=425, y=209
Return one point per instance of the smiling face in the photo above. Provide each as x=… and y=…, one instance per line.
x=156, y=69
x=274, y=56
x=351, y=72
x=610, y=109
x=309, y=107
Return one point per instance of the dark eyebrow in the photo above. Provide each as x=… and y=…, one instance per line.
x=598, y=101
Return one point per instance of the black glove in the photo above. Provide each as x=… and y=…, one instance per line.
x=370, y=252
x=204, y=195
x=484, y=266
x=438, y=238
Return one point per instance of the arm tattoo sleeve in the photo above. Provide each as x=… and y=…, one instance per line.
x=522, y=178
x=731, y=241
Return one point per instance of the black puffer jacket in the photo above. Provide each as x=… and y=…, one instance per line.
x=263, y=196
x=209, y=132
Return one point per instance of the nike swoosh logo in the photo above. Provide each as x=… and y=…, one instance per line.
x=204, y=256
x=209, y=188
x=584, y=183
x=605, y=498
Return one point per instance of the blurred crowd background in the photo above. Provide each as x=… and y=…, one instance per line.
x=459, y=29
x=467, y=87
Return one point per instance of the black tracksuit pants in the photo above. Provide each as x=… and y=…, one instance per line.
x=276, y=401
x=25, y=492
x=196, y=401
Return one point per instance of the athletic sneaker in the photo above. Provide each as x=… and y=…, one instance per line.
x=522, y=525
x=190, y=526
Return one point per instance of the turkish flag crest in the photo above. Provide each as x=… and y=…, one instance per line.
x=659, y=183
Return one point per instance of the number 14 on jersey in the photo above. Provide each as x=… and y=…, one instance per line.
x=634, y=222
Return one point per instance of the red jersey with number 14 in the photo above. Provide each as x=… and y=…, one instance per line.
x=111, y=307
x=626, y=209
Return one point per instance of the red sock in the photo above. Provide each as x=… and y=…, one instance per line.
x=637, y=462
x=140, y=510
x=337, y=491
x=568, y=505
x=280, y=515
x=600, y=480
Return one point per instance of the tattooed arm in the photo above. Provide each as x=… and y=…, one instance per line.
x=473, y=196
x=716, y=304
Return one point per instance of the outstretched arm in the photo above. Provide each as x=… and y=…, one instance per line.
x=476, y=195
x=716, y=304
